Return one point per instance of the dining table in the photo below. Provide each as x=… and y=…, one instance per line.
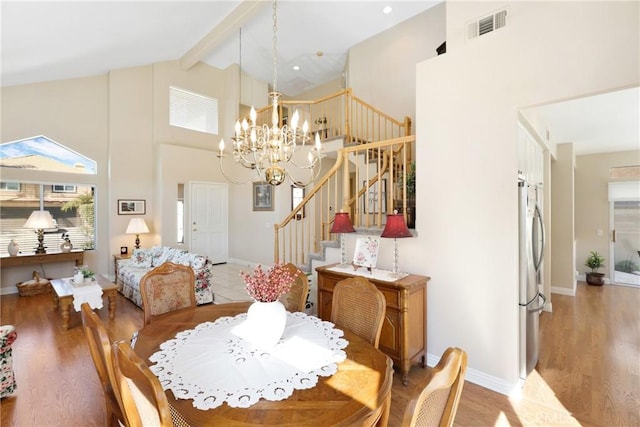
x=358, y=393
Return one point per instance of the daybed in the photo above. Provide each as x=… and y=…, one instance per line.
x=131, y=270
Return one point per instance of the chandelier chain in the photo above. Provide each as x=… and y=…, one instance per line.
x=275, y=46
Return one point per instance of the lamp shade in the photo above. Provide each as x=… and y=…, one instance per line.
x=396, y=227
x=40, y=220
x=342, y=223
x=137, y=226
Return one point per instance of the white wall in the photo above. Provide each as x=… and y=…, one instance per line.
x=466, y=115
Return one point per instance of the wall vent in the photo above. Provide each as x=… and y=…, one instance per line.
x=485, y=25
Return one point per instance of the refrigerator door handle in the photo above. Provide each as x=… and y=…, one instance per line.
x=537, y=257
x=540, y=307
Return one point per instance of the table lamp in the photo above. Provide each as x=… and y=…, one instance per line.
x=342, y=224
x=395, y=228
x=137, y=226
x=39, y=220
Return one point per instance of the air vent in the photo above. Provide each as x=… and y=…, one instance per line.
x=485, y=25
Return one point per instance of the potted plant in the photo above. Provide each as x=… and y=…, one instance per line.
x=594, y=262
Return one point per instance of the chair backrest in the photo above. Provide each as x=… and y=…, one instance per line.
x=100, y=348
x=359, y=306
x=166, y=288
x=437, y=403
x=143, y=400
x=296, y=298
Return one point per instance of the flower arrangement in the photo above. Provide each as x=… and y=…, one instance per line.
x=270, y=285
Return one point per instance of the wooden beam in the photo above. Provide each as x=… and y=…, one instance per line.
x=218, y=34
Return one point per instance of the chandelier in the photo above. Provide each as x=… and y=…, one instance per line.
x=269, y=150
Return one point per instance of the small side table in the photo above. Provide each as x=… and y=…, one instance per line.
x=116, y=258
x=63, y=297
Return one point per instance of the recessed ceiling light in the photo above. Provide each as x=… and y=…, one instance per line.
x=296, y=67
x=387, y=10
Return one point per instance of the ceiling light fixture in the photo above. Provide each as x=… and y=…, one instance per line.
x=387, y=10
x=296, y=67
x=268, y=150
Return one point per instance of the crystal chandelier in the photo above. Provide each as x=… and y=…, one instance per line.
x=269, y=150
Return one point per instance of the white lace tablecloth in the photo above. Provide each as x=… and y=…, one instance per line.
x=212, y=365
x=90, y=293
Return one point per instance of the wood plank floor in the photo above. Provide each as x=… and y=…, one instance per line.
x=588, y=374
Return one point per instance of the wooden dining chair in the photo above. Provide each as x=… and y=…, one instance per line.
x=166, y=288
x=100, y=348
x=143, y=400
x=296, y=298
x=437, y=403
x=359, y=306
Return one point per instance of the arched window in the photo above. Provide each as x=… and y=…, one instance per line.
x=70, y=204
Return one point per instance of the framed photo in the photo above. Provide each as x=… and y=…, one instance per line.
x=262, y=196
x=297, y=195
x=131, y=207
x=376, y=193
x=366, y=253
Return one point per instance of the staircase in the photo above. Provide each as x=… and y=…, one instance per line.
x=371, y=153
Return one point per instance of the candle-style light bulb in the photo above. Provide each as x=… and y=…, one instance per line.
x=294, y=119
x=221, y=145
x=245, y=125
x=305, y=127
x=253, y=114
x=237, y=128
x=318, y=145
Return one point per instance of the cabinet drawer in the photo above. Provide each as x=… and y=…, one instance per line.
x=392, y=297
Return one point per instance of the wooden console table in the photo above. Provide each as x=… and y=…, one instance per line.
x=403, y=337
x=29, y=259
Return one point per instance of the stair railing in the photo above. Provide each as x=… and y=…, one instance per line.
x=374, y=186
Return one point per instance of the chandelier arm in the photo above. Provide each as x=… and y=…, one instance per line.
x=224, y=174
x=315, y=174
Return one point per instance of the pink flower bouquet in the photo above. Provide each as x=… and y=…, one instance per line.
x=269, y=286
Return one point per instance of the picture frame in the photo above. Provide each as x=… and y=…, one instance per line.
x=297, y=195
x=366, y=252
x=262, y=196
x=376, y=191
x=124, y=250
x=132, y=207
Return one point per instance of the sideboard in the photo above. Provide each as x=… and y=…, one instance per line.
x=403, y=337
x=29, y=259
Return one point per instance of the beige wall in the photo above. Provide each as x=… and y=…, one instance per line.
x=466, y=115
x=592, y=205
x=562, y=239
x=71, y=112
x=382, y=70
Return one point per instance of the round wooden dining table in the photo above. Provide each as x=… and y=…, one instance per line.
x=358, y=394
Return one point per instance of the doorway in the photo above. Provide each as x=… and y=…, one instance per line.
x=208, y=220
x=625, y=242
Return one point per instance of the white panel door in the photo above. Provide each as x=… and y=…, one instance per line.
x=208, y=220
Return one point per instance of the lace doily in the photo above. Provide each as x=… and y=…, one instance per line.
x=212, y=365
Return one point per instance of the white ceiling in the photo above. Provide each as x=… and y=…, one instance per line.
x=52, y=40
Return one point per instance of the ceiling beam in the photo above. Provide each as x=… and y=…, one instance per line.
x=218, y=34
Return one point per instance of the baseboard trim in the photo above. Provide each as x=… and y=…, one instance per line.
x=483, y=380
x=8, y=290
x=563, y=291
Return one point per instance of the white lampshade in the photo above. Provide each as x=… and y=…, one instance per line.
x=40, y=220
x=137, y=226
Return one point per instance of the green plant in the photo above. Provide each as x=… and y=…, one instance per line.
x=594, y=261
x=410, y=180
x=87, y=274
x=627, y=266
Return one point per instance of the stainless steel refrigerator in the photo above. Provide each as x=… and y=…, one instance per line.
x=531, y=250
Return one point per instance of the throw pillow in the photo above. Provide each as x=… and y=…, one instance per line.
x=141, y=258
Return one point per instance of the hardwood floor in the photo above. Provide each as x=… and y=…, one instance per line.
x=588, y=374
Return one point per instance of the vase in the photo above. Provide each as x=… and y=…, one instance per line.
x=13, y=248
x=66, y=246
x=266, y=321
